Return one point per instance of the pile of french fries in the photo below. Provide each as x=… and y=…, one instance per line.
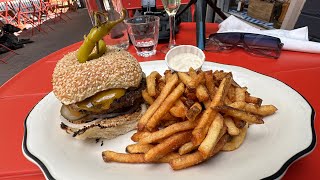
x=192, y=116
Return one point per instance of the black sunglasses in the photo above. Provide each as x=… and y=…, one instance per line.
x=256, y=44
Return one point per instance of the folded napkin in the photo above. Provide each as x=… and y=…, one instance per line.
x=293, y=40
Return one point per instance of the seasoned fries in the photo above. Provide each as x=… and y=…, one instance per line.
x=192, y=117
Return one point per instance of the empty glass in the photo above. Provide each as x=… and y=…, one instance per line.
x=144, y=34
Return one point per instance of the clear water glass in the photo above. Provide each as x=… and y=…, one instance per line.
x=144, y=34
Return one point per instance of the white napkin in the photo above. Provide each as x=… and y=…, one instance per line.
x=293, y=40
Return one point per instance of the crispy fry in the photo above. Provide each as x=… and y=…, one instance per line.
x=232, y=128
x=227, y=101
x=239, y=123
x=240, y=114
x=253, y=100
x=167, y=75
x=168, y=145
x=199, y=79
x=169, y=157
x=232, y=94
x=168, y=131
x=151, y=83
x=207, y=104
x=202, y=93
x=206, y=119
x=147, y=97
x=165, y=107
x=110, y=156
x=138, y=148
x=195, y=158
x=210, y=83
x=240, y=94
x=263, y=110
x=238, y=105
x=179, y=109
x=211, y=139
x=186, y=79
x=138, y=135
x=186, y=148
x=194, y=111
x=192, y=73
x=236, y=141
x=153, y=108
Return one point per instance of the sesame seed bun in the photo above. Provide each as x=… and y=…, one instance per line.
x=73, y=81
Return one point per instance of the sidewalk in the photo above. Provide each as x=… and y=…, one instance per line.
x=64, y=34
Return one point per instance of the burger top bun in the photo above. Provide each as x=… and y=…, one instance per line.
x=73, y=81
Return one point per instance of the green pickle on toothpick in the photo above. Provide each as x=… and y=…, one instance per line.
x=94, y=39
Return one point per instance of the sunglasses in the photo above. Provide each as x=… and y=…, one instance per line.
x=256, y=44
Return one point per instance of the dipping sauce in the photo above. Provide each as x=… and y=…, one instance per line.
x=182, y=62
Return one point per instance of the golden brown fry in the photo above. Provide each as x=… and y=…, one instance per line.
x=253, y=100
x=227, y=101
x=211, y=139
x=206, y=104
x=192, y=73
x=232, y=94
x=169, y=157
x=236, y=141
x=240, y=94
x=110, y=156
x=194, y=111
x=199, y=79
x=186, y=79
x=167, y=75
x=179, y=109
x=153, y=108
x=206, y=119
x=165, y=107
x=168, y=131
x=239, y=123
x=147, y=97
x=138, y=148
x=240, y=114
x=238, y=105
x=210, y=83
x=232, y=128
x=202, y=93
x=263, y=110
x=138, y=135
x=151, y=83
x=186, y=148
x=195, y=158
x=168, y=145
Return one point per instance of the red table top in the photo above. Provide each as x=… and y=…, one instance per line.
x=23, y=91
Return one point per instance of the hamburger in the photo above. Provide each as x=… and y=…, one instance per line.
x=101, y=98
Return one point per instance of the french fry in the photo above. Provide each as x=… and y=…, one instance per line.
x=206, y=119
x=240, y=114
x=202, y=93
x=147, y=97
x=138, y=135
x=253, y=100
x=168, y=131
x=167, y=75
x=210, y=83
x=168, y=145
x=186, y=148
x=239, y=123
x=198, y=79
x=179, y=109
x=152, y=109
x=195, y=158
x=165, y=107
x=138, y=148
x=240, y=94
x=232, y=128
x=232, y=94
x=227, y=101
x=236, y=141
x=263, y=110
x=194, y=111
x=238, y=105
x=169, y=157
x=186, y=79
x=151, y=83
x=211, y=139
x=192, y=73
x=110, y=156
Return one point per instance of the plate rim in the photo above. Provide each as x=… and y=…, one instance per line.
x=278, y=174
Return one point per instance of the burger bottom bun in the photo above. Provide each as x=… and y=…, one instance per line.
x=108, y=128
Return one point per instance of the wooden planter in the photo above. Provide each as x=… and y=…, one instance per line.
x=261, y=10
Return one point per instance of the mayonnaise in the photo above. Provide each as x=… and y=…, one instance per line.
x=182, y=62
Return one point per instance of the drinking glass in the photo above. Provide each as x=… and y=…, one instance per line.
x=171, y=7
x=144, y=34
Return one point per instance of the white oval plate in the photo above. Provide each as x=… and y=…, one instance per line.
x=267, y=151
